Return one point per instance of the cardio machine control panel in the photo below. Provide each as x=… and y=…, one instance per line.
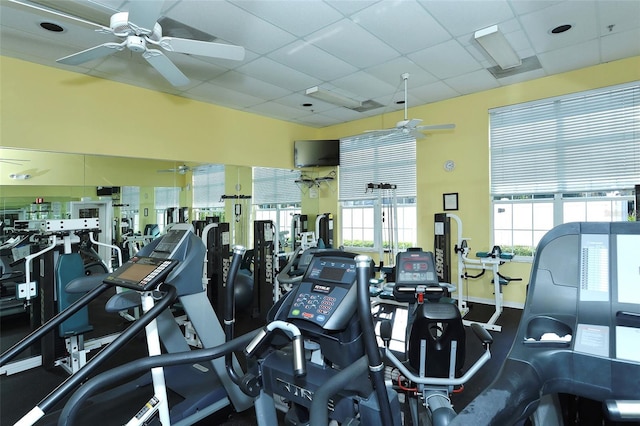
x=141, y=273
x=415, y=269
x=327, y=294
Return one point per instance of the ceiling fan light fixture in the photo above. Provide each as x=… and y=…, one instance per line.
x=21, y=176
x=332, y=97
x=497, y=47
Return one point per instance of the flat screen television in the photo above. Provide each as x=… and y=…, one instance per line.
x=314, y=153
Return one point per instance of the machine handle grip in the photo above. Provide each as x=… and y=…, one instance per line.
x=255, y=342
x=622, y=410
x=299, y=362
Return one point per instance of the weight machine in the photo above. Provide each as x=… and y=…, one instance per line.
x=44, y=291
x=486, y=261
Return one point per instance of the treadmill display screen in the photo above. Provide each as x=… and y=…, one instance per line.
x=141, y=273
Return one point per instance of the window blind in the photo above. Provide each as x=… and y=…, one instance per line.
x=375, y=159
x=130, y=197
x=275, y=186
x=576, y=143
x=166, y=197
x=208, y=186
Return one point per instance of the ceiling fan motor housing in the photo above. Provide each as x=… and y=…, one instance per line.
x=119, y=24
x=136, y=44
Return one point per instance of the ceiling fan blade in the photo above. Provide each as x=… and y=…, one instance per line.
x=90, y=54
x=413, y=123
x=143, y=15
x=416, y=134
x=164, y=66
x=436, y=127
x=203, y=48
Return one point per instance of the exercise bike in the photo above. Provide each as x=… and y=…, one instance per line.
x=434, y=342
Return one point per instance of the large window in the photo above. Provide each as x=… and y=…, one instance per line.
x=130, y=210
x=573, y=158
x=378, y=192
x=166, y=198
x=276, y=197
x=208, y=188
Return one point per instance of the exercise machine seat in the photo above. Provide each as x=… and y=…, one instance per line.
x=438, y=324
x=69, y=267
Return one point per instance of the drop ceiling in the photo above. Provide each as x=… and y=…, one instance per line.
x=356, y=48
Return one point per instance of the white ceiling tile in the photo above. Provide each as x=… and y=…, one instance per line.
x=448, y=59
x=434, y=92
x=229, y=22
x=224, y=96
x=460, y=17
x=580, y=14
x=277, y=110
x=423, y=29
x=298, y=17
x=527, y=6
x=246, y=84
x=620, y=45
x=296, y=100
x=350, y=42
x=391, y=72
x=272, y=72
x=571, y=57
x=363, y=85
x=623, y=15
x=476, y=81
x=349, y=7
x=309, y=59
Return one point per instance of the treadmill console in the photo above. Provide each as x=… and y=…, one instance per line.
x=141, y=273
x=327, y=294
x=154, y=261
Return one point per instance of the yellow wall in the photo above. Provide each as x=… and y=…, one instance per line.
x=48, y=109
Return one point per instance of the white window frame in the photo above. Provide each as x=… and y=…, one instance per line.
x=603, y=167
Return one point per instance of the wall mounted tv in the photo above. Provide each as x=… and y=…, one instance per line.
x=313, y=153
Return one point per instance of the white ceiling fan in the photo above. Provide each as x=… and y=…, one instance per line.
x=13, y=161
x=408, y=126
x=140, y=32
x=181, y=170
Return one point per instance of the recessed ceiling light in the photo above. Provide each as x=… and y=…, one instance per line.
x=50, y=26
x=561, y=28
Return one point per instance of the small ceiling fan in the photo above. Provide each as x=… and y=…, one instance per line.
x=140, y=30
x=14, y=161
x=182, y=169
x=408, y=126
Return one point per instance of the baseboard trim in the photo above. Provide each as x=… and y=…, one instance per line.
x=492, y=302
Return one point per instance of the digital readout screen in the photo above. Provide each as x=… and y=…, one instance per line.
x=136, y=272
x=332, y=274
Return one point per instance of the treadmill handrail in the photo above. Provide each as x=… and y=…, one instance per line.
x=109, y=377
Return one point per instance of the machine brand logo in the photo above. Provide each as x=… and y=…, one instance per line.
x=294, y=390
x=440, y=263
x=268, y=265
x=226, y=263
